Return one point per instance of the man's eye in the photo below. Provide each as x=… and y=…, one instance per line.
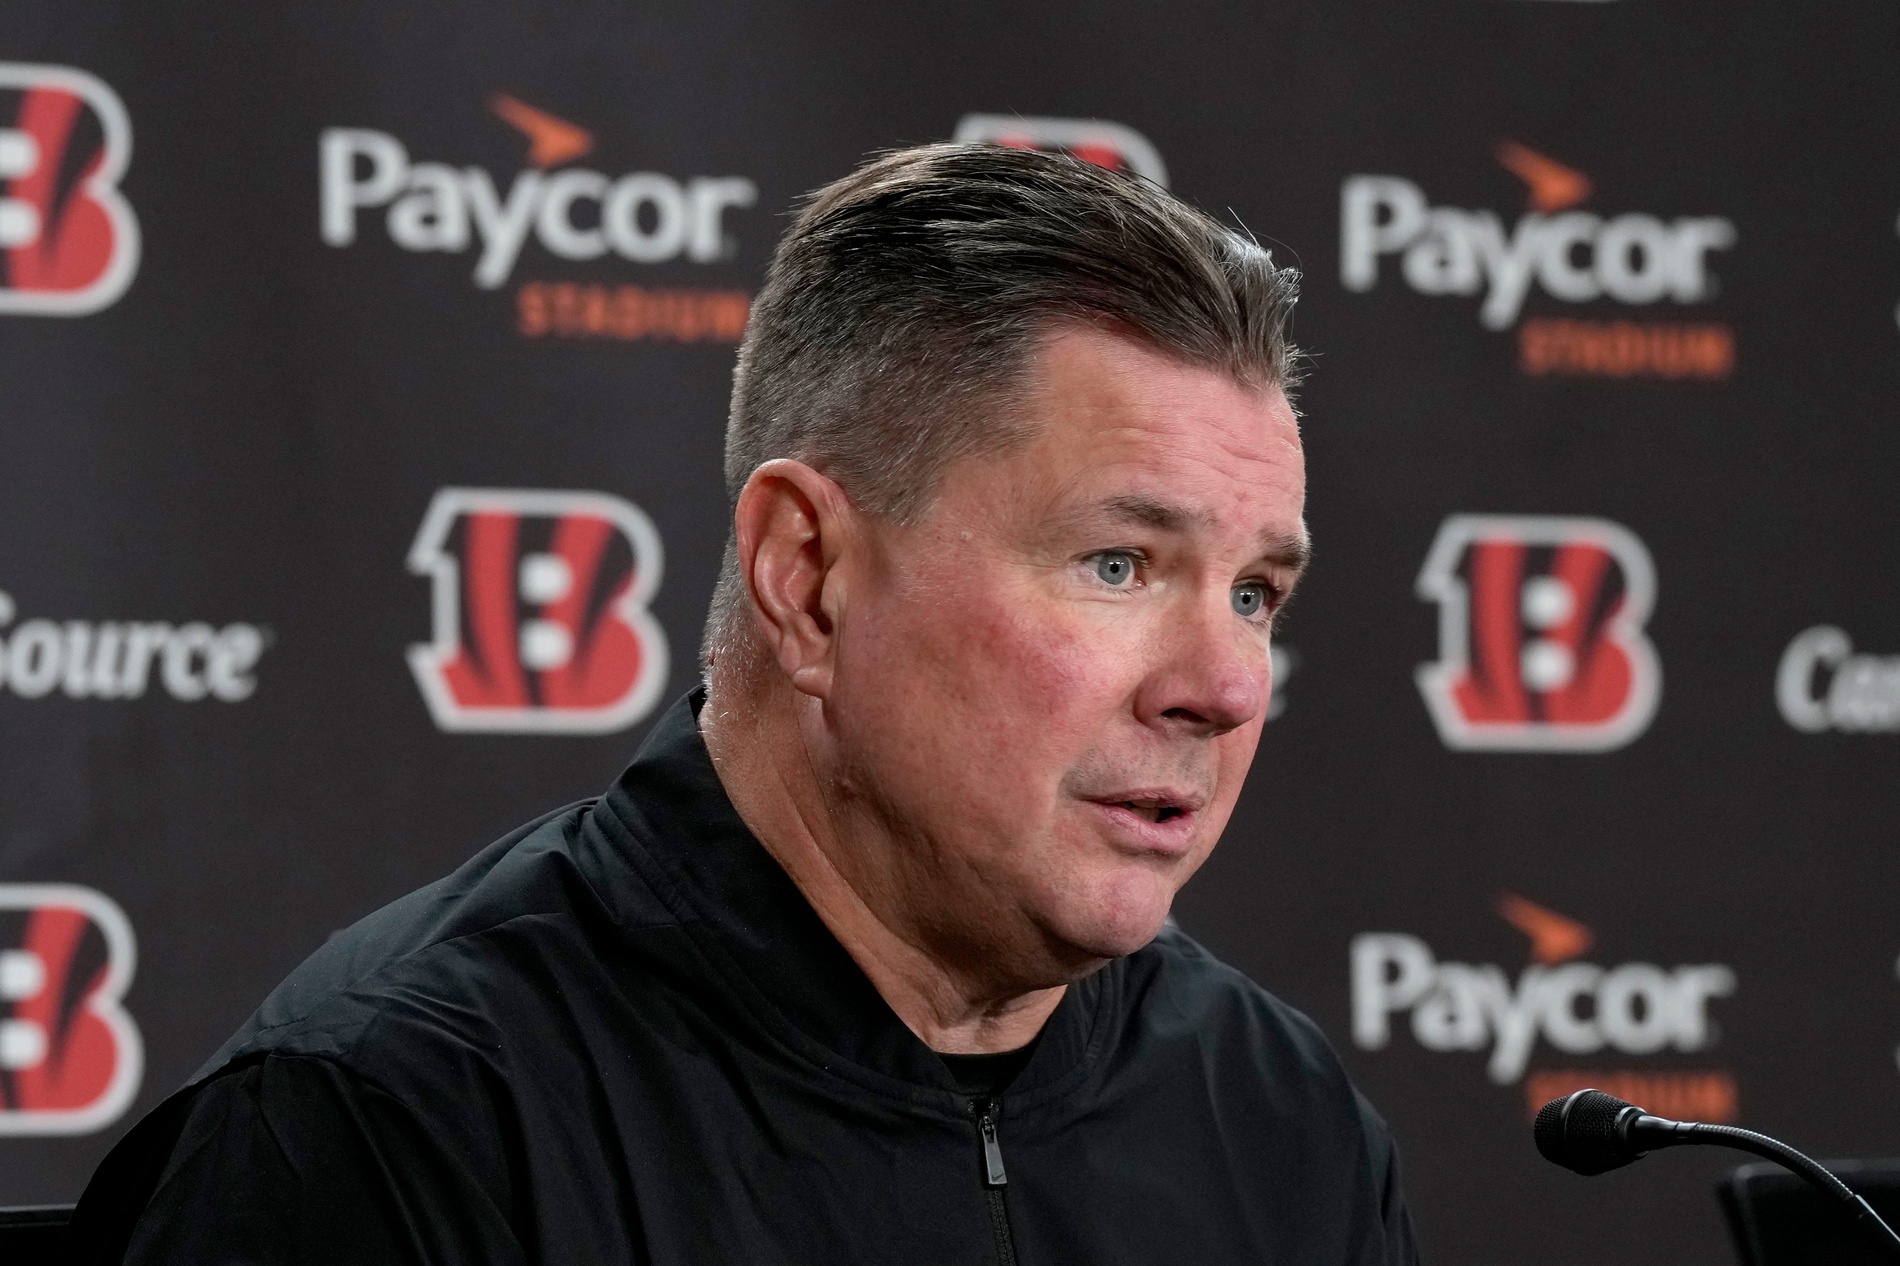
x=1249, y=600
x=1115, y=568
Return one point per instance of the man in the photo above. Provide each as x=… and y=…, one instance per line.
x=863, y=959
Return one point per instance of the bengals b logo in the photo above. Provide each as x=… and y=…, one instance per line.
x=540, y=612
x=70, y=1057
x=1540, y=634
x=1115, y=146
x=69, y=243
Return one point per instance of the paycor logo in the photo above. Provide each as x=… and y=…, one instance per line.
x=1575, y=1006
x=574, y=213
x=1571, y=255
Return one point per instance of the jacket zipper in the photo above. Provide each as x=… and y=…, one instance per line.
x=995, y=1178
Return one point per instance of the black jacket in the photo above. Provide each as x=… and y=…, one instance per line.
x=621, y=1035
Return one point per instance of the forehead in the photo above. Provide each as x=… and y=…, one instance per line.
x=1113, y=421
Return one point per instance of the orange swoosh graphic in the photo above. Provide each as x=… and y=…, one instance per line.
x=1553, y=186
x=1554, y=938
x=551, y=141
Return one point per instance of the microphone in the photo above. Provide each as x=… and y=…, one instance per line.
x=1592, y=1133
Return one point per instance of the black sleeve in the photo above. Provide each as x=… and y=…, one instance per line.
x=1401, y=1245
x=294, y=1159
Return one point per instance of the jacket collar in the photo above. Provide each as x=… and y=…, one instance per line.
x=761, y=935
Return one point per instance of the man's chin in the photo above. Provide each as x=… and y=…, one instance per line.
x=1113, y=930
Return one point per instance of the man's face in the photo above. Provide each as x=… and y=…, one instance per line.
x=1049, y=690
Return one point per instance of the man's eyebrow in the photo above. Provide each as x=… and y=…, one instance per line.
x=1289, y=550
x=1151, y=513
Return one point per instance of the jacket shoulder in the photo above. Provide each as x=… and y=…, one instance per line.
x=429, y=961
x=1183, y=994
x=1249, y=1057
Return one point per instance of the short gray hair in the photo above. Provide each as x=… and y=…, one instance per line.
x=902, y=308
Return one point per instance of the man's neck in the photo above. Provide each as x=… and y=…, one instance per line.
x=763, y=762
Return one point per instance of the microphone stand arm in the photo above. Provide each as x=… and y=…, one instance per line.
x=1649, y=1133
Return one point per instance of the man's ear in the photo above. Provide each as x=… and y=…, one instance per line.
x=793, y=525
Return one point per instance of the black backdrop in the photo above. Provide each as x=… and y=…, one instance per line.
x=1602, y=301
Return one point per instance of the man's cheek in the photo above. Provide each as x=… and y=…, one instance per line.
x=1072, y=663
x=1233, y=759
x=1025, y=661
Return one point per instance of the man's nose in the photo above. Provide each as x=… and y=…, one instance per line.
x=1211, y=670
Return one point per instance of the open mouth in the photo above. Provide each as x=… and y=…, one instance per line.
x=1152, y=810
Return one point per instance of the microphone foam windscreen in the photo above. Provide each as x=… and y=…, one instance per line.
x=1579, y=1133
